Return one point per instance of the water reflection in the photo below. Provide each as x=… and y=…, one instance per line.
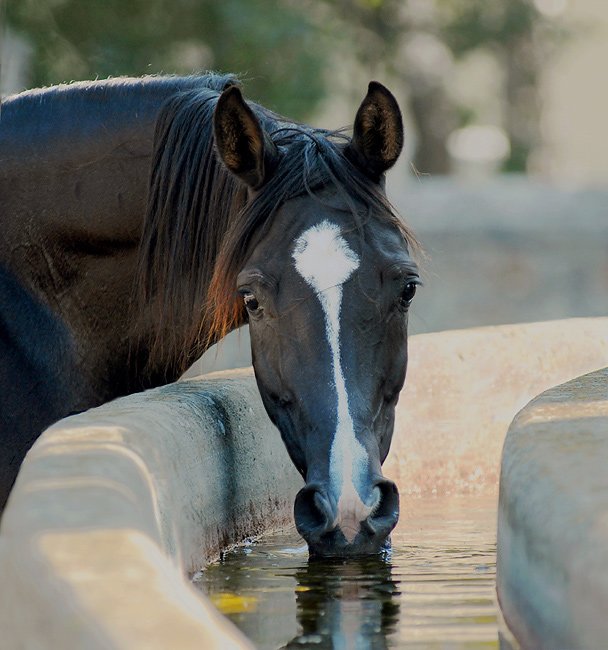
x=435, y=590
x=345, y=604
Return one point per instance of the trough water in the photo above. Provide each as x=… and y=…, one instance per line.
x=434, y=589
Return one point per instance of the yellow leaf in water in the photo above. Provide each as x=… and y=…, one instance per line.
x=302, y=588
x=229, y=603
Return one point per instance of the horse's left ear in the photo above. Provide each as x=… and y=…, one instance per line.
x=378, y=132
x=244, y=147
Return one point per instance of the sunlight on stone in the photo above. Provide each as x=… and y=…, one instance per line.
x=569, y=410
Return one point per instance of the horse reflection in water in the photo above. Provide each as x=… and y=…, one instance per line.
x=343, y=605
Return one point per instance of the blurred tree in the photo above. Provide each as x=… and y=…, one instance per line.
x=420, y=41
x=272, y=42
x=516, y=32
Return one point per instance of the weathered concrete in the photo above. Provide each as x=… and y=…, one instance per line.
x=113, y=505
x=463, y=389
x=552, y=579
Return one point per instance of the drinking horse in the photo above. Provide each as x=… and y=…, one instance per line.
x=144, y=219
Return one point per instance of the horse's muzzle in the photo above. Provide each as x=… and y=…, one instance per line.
x=317, y=520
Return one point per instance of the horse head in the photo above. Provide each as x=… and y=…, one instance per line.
x=326, y=285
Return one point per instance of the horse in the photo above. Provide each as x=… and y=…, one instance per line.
x=144, y=219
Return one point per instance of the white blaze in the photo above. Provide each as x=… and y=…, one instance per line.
x=323, y=258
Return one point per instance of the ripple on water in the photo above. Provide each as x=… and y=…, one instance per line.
x=435, y=589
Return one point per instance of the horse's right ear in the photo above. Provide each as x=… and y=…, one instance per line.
x=241, y=142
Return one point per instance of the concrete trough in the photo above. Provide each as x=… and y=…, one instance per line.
x=113, y=508
x=552, y=568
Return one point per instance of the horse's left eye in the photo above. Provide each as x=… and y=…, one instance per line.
x=409, y=291
x=251, y=302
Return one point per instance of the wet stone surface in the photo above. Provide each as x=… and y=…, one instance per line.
x=435, y=589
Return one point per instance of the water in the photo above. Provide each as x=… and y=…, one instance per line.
x=434, y=590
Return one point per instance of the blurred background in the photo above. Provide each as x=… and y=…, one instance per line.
x=504, y=178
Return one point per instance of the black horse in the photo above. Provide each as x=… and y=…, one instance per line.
x=143, y=219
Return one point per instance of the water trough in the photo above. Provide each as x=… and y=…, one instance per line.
x=114, y=507
x=552, y=580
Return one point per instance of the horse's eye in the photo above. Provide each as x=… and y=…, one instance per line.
x=409, y=291
x=251, y=302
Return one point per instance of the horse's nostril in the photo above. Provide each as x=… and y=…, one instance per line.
x=386, y=513
x=331, y=532
x=312, y=511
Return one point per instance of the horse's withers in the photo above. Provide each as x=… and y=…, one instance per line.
x=327, y=295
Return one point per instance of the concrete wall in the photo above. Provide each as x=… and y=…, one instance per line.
x=507, y=251
x=463, y=388
x=112, y=507
x=552, y=565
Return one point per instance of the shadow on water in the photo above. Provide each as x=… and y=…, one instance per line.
x=345, y=604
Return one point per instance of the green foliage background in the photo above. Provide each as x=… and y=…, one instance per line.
x=272, y=43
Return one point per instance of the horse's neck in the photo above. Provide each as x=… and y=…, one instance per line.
x=75, y=160
x=73, y=181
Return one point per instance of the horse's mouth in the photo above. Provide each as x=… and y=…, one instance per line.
x=336, y=544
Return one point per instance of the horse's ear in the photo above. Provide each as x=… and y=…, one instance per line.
x=241, y=142
x=378, y=132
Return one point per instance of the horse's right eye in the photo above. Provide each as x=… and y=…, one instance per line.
x=251, y=302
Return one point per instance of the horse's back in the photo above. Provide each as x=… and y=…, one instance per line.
x=61, y=122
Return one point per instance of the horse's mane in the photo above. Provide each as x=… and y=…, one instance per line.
x=200, y=225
